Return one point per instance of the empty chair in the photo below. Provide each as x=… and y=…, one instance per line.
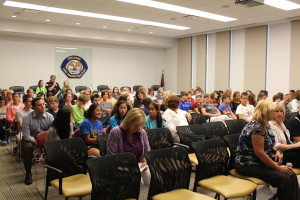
x=114, y=177
x=102, y=142
x=213, y=158
x=136, y=87
x=78, y=89
x=235, y=126
x=121, y=88
x=197, y=119
x=102, y=87
x=159, y=138
x=170, y=170
x=155, y=87
x=33, y=87
x=215, y=130
x=66, y=167
x=19, y=89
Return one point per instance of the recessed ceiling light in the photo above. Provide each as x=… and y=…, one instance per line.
x=180, y=9
x=13, y=16
x=77, y=23
x=104, y=26
x=48, y=20
x=128, y=29
x=89, y=14
x=151, y=32
x=282, y=4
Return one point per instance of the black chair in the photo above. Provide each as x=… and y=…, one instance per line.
x=288, y=116
x=102, y=87
x=19, y=89
x=121, y=88
x=136, y=87
x=33, y=88
x=78, y=89
x=215, y=130
x=155, y=87
x=1, y=91
x=190, y=134
x=114, y=177
x=159, y=138
x=235, y=126
x=170, y=170
x=66, y=167
x=213, y=158
x=197, y=119
x=102, y=142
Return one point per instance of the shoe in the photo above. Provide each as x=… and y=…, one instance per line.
x=6, y=141
x=28, y=178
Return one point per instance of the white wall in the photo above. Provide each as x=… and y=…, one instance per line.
x=171, y=69
x=25, y=61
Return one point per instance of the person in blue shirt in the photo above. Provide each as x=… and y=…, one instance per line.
x=184, y=104
x=225, y=107
x=154, y=119
x=117, y=118
x=90, y=128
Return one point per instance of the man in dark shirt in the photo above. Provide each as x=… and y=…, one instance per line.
x=53, y=86
x=293, y=125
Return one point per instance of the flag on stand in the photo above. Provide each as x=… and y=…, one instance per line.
x=162, y=80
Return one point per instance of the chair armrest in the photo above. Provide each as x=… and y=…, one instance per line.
x=181, y=145
x=60, y=177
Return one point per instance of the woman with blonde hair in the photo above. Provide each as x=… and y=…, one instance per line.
x=166, y=96
x=295, y=101
x=66, y=86
x=258, y=157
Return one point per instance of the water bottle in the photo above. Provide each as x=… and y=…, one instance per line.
x=288, y=164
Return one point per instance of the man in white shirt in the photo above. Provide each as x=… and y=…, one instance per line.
x=286, y=102
x=244, y=110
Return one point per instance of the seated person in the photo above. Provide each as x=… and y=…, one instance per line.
x=151, y=94
x=210, y=111
x=154, y=119
x=61, y=127
x=286, y=102
x=159, y=95
x=12, y=108
x=236, y=100
x=41, y=87
x=276, y=98
x=121, y=111
x=289, y=150
x=295, y=101
x=105, y=104
x=3, y=121
x=146, y=102
x=293, y=125
x=87, y=93
x=244, y=110
x=139, y=95
x=225, y=107
x=78, y=110
x=175, y=117
x=184, y=104
x=53, y=101
x=196, y=105
x=190, y=97
x=90, y=128
x=30, y=93
x=255, y=152
x=131, y=137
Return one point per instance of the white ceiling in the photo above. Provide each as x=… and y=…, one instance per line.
x=246, y=16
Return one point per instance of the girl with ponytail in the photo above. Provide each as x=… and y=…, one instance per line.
x=154, y=119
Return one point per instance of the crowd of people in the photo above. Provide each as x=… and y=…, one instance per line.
x=123, y=115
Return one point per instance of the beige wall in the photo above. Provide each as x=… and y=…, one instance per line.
x=184, y=64
x=201, y=61
x=255, y=58
x=295, y=56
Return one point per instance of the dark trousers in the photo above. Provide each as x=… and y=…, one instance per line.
x=27, y=149
x=292, y=156
x=2, y=129
x=287, y=186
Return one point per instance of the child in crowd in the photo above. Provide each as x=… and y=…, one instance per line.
x=244, y=110
x=184, y=104
x=235, y=101
x=151, y=93
x=104, y=118
x=196, y=105
x=90, y=128
x=154, y=119
x=2, y=118
x=215, y=97
x=30, y=93
x=286, y=102
x=160, y=94
x=115, y=93
x=78, y=110
x=140, y=94
x=9, y=99
x=105, y=104
x=121, y=111
x=190, y=98
x=53, y=101
x=41, y=87
x=210, y=111
x=146, y=102
x=225, y=107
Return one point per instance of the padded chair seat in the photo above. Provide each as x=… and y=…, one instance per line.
x=180, y=194
x=227, y=186
x=77, y=185
x=296, y=171
x=257, y=181
x=193, y=158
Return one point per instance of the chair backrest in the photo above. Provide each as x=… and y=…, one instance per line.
x=197, y=119
x=33, y=87
x=40, y=139
x=215, y=130
x=102, y=142
x=232, y=142
x=114, y=177
x=288, y=116
x=19, y=89
x=76, y=133
x=190, y=134
x=155, y=87
x=136, y=87
x=235, y=126
x=159, y=138
x=213, y=158
x=102, y=87
x=78, y=89
x=170, y=169
x=121, y=88
x=68, y=155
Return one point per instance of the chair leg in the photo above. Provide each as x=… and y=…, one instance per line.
x=254, y=195
x=66, y=198
x=195, y=188
x=46, y=192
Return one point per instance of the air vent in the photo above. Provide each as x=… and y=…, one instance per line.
x=250, y=3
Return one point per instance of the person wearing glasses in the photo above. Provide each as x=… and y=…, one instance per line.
x=34, y=123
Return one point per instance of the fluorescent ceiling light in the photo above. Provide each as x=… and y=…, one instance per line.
x=179, y=9
x=89, y=14
x=65, y=48
x=282, y=4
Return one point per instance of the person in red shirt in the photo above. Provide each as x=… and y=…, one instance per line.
x=197, y=103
